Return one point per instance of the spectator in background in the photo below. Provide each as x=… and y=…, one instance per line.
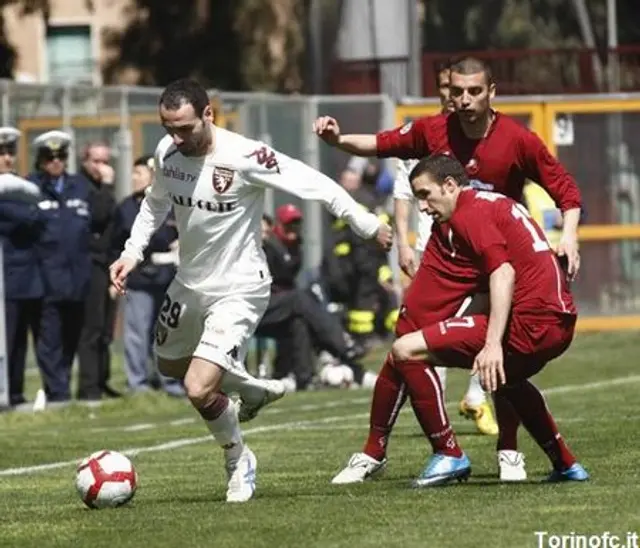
x=146, y=285
x=20, y=227
x=63, y=251
x=295, y=317
x=97, y=333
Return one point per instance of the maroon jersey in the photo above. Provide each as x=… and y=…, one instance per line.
x=501, y=161
x=443, y=281
x=492, y=229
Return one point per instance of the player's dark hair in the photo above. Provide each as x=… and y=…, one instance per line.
x=267, y=219
x=472, y=65
x=439, y=167
x=440, y=67
x=146, y=161
x=185, y=92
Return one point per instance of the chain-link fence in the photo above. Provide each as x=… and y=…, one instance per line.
x=127, y=119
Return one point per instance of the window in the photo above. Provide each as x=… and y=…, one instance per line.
x=69, y=54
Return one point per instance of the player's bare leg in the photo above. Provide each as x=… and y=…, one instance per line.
x=389, y=395
x=203, y=382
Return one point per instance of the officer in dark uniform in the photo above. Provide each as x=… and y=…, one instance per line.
x=20, y=227
x=294, y=317
x=65, y=259
x=94, y=358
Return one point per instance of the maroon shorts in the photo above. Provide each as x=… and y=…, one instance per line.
x=530, y=343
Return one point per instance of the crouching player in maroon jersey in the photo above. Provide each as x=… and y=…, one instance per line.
x=531, y=322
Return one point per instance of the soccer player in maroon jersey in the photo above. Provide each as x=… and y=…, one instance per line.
x=531, y=322
x=499, y=154
x=474, y=404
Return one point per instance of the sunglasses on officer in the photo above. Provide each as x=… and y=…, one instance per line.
x=50, y=155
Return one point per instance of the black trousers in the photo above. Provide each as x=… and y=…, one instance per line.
x=60, y=326
x=94, y=355
x=299, y=323
x=22, y=315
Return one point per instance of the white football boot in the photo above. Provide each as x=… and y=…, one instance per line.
x=273, y=391
x=242, y=476
x=511, y=466
x=360, y=467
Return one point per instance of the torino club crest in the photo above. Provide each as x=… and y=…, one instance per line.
x=222, y=179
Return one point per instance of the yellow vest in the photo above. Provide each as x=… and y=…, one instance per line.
x=543, y=210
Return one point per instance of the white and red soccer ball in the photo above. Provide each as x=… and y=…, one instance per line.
x=106, y=479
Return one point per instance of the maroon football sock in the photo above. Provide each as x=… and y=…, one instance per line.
x=508, y=422
x=529, y=404
x=389, y=396
x=427, y=401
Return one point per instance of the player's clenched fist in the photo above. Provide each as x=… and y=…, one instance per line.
x=119, y=271
x=385, y=236
x=327, y=129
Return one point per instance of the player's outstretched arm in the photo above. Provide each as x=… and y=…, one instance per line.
x=489, y=362
x=328, y=129
x=284, y=173
x=153, y=211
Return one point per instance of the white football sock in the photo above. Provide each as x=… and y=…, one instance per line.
x=475, y=394
x=442, y=375
x=226, y=431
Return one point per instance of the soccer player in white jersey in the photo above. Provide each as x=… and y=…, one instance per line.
x=215, y=181
x=474, y=405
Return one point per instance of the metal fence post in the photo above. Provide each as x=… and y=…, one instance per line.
x=125, y=148
x=313, y=212
x=67, y=127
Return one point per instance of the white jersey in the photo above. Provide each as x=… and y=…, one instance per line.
x=218, y=201
x=402, y=191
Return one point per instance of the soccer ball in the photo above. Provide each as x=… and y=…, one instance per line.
x=336, y=376
x=106, y=479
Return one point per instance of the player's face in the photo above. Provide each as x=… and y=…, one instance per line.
x=444, y=90
x=437, y=200
x=471, y=95
x=7, y=158
x=190, y=133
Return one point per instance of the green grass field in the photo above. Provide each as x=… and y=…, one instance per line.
x=301, y=442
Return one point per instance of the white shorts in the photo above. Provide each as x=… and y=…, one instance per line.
x=214, y=328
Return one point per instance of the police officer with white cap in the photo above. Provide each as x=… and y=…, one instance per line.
x=66, y=263
x=21, y=225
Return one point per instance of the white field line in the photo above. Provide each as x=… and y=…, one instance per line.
x=355, y=401
x=297, y=425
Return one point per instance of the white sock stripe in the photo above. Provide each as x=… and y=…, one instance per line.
x=432, y=377
x=397, y=405
x=463, y=307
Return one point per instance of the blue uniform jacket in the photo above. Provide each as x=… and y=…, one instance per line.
x=147, y=276
x=63, y=248
x=21, y=226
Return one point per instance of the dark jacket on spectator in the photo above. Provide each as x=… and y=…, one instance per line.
x=21, y=225
x=102, y=206
x=147, y=276
x=63, y=248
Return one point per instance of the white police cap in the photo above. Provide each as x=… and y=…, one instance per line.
x=9, y=135
x=53, y=140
